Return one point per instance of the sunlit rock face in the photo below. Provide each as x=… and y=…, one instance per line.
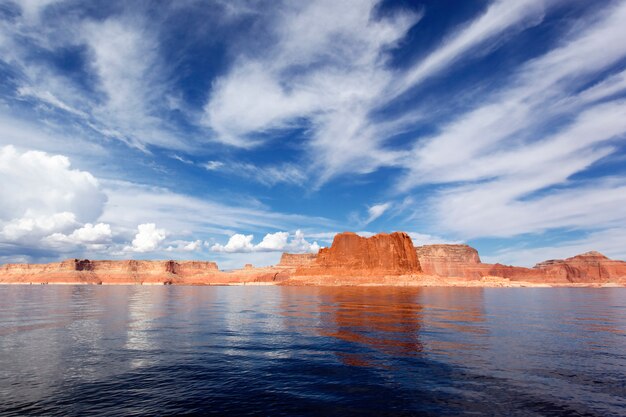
x=383, y=259
x=351, y=254
x=108, y=272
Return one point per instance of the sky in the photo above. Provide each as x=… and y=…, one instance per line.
x=234, y=130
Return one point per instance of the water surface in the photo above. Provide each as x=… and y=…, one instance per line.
x=133, y=350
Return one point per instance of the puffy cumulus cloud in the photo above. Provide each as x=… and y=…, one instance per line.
x=35, y=184
x=272, y=242
x=34, y=227
x=47, y=206
x=97, y=234
x=147, y=239
x=236, y=243
x=299, y=244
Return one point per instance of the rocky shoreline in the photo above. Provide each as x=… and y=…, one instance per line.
x=351, y=260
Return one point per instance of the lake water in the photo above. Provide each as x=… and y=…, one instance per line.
x=133, y=350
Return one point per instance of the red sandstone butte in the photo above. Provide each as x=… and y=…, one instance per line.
x=379, y=255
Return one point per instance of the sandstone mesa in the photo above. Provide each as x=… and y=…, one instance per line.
x=383, y=259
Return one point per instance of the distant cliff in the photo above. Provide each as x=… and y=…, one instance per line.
x=383, y=259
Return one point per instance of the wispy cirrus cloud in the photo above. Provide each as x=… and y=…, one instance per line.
x=547, y=126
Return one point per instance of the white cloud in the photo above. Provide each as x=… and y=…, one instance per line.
x=500, y=17
x=41, y=196
x=498, y=157
x=342, y=46
x=272, y=242
x=299, y=244
x=126, y=60
x=236, y=243
x=34, y=184
x=338, y=49
x=148, y=238
x=89, y=233
x=420, y=239
x=125, y=71
x=33, y=227
x=212, y=165
x=376, y=211
x=31, y=9
x=185, y=246
x=96, y=237
x=610, y=242
x=99, y=233
x=271, y=175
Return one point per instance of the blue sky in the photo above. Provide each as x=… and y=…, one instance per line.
x=235, y=130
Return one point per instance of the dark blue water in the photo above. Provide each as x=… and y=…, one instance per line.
x=98, y=350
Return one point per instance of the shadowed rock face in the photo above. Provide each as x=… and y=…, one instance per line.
x=294, y=260
x=447, y=260
x=351, y=254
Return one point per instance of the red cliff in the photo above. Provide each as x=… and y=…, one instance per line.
x=109, y=272
x=383, y=259
x=351, y=254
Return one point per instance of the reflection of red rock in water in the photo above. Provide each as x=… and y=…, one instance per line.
x=388, y=321
x=351, y=254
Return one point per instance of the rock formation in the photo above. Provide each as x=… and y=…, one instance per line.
x=379, y=255
x=110, y=272
x=383, y=259
x=462, y=261
x=587, y=267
